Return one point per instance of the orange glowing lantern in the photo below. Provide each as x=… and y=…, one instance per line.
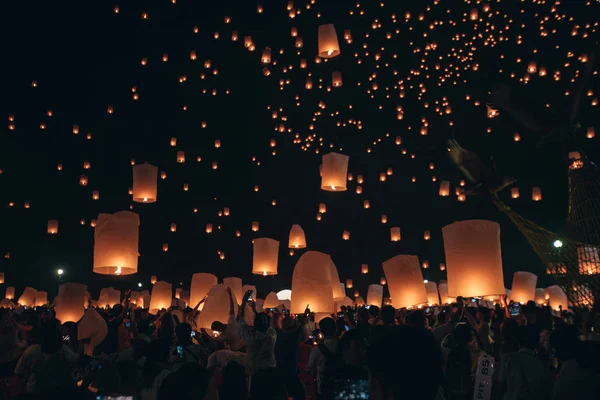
x=1, y=278
x=41, y=298
x=364, y=269
x=209, y=228
x=536, y=193
x=153, y=279
x=312, y=284
x=591, y=133
x=200, y=286
x=405, y=281
x=83, y=180
x=271, y=301
x=334, y=172
x=346, y=235
x=266, y=56
x=69, y=304
x=161, y=297
x=116, y=243
x=53, y=227
x=556, y=298
x=265, y=256
x=514, y=193
x=297, y=238
x=366, y=204
x=173, y=227
x=444, y=188
x=216, y=307
x=473, y=258
x=523, y=287
x=426, y=235
x=255, y=226
x=445, y=299
x=145, y=183
x=328, y=41
x=322, y=208
x=27, y=299
x=235, y=284
x=540, y=298
x=177, y=293
x=384, y=219
x=375, y=295
x=432, y=293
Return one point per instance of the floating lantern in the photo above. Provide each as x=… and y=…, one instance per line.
x=255, y=226
x=588, y=260
x=540, y=298
x=209, y=228
x=591, y=133
x=405, y=281
x=345, y=302
x=69, y=304
x=514, y=193
x=177, y=293
x=312, y=284
x=93, y=328
x=153, y=279
x=395, y=234
x=336, y=78
x=297, y=238
x=235, y=284
x=226, y=211
x=346, y=235
x=334, y=172
x=199, y=288
x=432, y=293
x=364, y=269
x=523, y=287
x=144, y=183
x=445, y=299
x=473, y=258
x=322, y=208
x=536, y=193
x=41, y=298
x=384, y=219
x=444, y=188
x=375, y=295
x=173, y=227
x=116, y=243
x=442, y=266
x=266, y=56
x=1, y=278
x=161, y=297
x=265, y=256
x=366, y=204
x=53, y=227
x=328, y=41
x=10, y=293
x=165, y=247
x=173, y=142
x=382, y=177
x=180, y=157
x=427, y=235
x=556, y=298
x=532, y=67
x=83, y=180
x=216, y=308
x=474, y=14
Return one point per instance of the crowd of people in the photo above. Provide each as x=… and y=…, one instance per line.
x=359, y=353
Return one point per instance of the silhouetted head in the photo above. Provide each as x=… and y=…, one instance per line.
x=261, y=322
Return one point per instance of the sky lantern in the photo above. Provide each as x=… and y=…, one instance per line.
x=540, y=298
x=209, y=228
x=53, y=227
x=10, y=293
x=334, y=172
x=588, y=259
x=336, y=79
x=366, y=204
x=216, y=307
x=375, y=295
x=473, y=258
x=235, y=284
x=328, y=41
x=181, y=157
x=271, y=301
x=405, y=281
x=432, y=293
x=144, y=183
x=364, y=269
x=297, y=238
x=69, y=304
x=312, y=284
x=173, y=227
x=322, y=208
x=384, y=219
x=153, y=280
x=165, y=247
x=116, y=239
x=444, y=298
x=265, y=256
x=83, y=180
x=266, y=56
x=395, y=234
x=444, y=188
x=255, y=226
x=536, y=193
x=177, y=293
x=474, y=14
x=346, y=235
x=173, y=142
x=532, y=67
x=591, y=133
x=427, y=235
x=523, y=287
x=93, y=328
x=556, y=297
x=28, y=297
x=201, y=284
x=349, y=284
x=161, y=297
x=514, y=193
x=41, y=298
x=1, y=278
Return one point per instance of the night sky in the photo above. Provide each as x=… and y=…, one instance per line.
x=80, y=59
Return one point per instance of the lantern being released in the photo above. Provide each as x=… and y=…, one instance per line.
x=523, y=287
x=432, y=293
x=235, y=284
x=161, y=297
x=41, y=298
x=144, y=183
x=201, y=284
x=265, y=257
x=69, y=304
x=53, y=227
x=116, y=243
x=443, y=289
x=27, y=299
x=364, y=269
x=271, y=301
x=297, y=238
x=312, y=284
x=405, y=281
x=216, y=307
x=328, y=41
x=334, y=172
x=556, y=298
x=540, y=297
x=10, y=293
x=375, y=295
x=473, y=258
x=349, y=283
x=395, y=234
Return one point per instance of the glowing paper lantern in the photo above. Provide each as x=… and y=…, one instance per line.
x=209, y=228
x=328, y=41
x=432, y=293
x=265, y=256
x=116, y=243
x=322, y=208
x=375, y=295
x=364, y=269
x=255, y=226
x=349, y=283
x=540, y=297
x=201, y=284
x=69, y=304
x=334, y=172
x=297, y=238
x=235, y=284
x=358, y=301
x=346, y=302
x=216, y=307
x=523, y=287
x=144, y=183
x=556, y=297
x=445, y=299
x=346, y=235
x=536, y=193
x=405, y=281
x=10, y=293
x=53, y=227
x=28, y=297
x=514, y=193
x=336, y=78
x=312, y=284
x=271, y=301
x=1, y=277
x=153, y=279
x=41, y=298
x=444, y=188
x=180, y=157
x=588, y=259
x=285, y=294
x=177, y=293
x=395, y=234
x=426, y=235
x=473, y=258
x=336, y=286
x=162, y=295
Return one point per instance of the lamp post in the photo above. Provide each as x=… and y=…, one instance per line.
x=60, y=273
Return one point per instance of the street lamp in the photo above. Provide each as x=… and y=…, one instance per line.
x=60, y=273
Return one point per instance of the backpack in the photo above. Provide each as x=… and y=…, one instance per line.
x=331, y=368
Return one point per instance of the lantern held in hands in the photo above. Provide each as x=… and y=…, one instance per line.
x=523, y=287
x=405, y=281
x=312, y=284
x=201, y=284
x=265, y=256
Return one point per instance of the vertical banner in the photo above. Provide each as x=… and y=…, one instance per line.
x=483, y=379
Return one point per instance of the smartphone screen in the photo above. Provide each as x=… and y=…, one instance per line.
x=351, y=389
x=66, y=338
x=514, y=309
x=193, y=334
x=128, y=324
x=180, y=351
x=340, y=315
